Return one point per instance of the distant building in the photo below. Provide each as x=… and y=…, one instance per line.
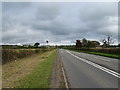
x=78, y=43
x=25, y=45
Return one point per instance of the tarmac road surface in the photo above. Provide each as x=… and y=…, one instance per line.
x=89, y=71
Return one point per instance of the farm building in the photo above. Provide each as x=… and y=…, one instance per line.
x=78, y=43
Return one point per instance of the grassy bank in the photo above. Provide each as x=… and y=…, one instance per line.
x=14, y=72
x=98, y=53
x=41, y=76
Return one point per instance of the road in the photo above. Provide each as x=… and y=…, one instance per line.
x=89, y=71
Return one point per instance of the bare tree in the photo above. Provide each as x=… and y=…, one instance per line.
x=107, y=41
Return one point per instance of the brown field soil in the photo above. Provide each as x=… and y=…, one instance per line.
x=13, y=71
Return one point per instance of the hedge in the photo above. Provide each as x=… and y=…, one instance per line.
x=115, y=51
x=13, y=54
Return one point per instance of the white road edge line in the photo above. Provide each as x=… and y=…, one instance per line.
x=66, y=84
x=97, y=66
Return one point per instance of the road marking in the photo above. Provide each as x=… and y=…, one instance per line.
x=98, y=66
x=64, y=76
x=97, y=57
x=66, y=84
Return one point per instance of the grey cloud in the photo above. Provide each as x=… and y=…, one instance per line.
x=15, y=6
x=98, y=15
x=47, y=12
x=53, y=27
x=58, y=22
x=98, y=11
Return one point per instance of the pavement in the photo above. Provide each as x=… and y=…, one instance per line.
x=89, y=71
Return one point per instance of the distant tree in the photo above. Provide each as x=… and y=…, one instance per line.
x=92, y=43
x=89, y=43
x=95, y=43
x=30, y=46
x=107, y=41
x=84, y=42
x=119, y=45
x=36, y=44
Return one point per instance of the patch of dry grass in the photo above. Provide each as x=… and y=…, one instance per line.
x=14, y=71
x=41, y=76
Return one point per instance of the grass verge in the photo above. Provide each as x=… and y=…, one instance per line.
x=41, y=76
x=98, y=53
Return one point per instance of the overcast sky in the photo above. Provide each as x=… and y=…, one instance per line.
x=59, y=23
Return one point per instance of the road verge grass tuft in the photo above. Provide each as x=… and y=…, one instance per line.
x=41, y=76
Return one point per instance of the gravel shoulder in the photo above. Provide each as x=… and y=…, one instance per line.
x=57, y=79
